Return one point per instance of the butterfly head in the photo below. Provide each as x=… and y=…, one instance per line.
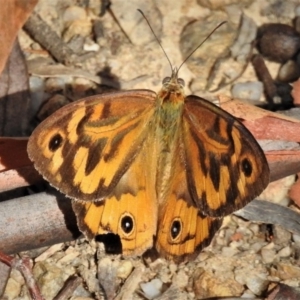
x=173, y=89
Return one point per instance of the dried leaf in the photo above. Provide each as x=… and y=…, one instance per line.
x=13, y=15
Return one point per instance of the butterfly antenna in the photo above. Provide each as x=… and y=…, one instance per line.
x=157, y=39
x=218, y=26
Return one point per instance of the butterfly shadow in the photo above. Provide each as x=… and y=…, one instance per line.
x=64, y=204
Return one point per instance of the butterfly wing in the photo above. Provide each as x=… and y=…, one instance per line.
x=183, y=231
x=130, y=211
x=226, y=166
x=85, y=148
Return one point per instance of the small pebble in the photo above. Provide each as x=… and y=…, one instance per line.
x=152, y=289
x=50, y=251
x=12, y=289
x=181, y=279
x=296, y=238
x=268, y=255
x=289, y=72
x=256, y=284
x=278, y=42
x=124, y=269
x=251, y=91
x=285, y=252
x=73, y=13
x=90, y=46
x=281, y=235
x=229, y=251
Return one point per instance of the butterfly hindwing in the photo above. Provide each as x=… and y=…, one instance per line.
x=130, y=211
x=183, y=231
x=226, y=165
x=78, y=148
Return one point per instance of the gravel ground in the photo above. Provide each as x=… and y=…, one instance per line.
x=245, y=259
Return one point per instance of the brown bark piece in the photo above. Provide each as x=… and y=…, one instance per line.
x=14, y=95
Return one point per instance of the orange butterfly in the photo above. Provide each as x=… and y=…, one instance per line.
x=157, y=169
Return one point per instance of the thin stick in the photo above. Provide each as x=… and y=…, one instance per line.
x=23, y=265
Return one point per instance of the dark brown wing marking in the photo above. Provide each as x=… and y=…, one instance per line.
x=226, y=167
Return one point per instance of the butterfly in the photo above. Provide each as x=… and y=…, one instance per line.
x=158, y=169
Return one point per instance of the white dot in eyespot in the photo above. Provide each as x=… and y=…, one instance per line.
x=127, y=224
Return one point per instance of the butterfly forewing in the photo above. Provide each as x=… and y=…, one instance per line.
x=226, y=167
x=84, y=148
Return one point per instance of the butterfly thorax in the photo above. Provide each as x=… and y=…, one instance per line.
x=169, y=120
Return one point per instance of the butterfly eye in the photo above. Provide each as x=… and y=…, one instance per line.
x=55, y=142
x=127, y=224
x=166, y=80
x=181, y=81
x=176, y=228
x=246, y=167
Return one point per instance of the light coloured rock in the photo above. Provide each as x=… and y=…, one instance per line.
x=173, y=268
x=277, y=191
x=49, y=252
x=134, y=24
x=236, y=244
x=285, y=252
x=248, y=295
x=76, y=22
x=221, y=4
x=69, y=257
x=17, y=276
x=81, y=292
x=254, y=228
x=82, y=298
x=251, y=90
x=90, y=46
x=90, y=279
x=268, y=255
x=12, y=290
x=78, y=27
x=165, y=275
x=152, y=289
x=229, y=251
x=242, y=47
x=73, y=13
x=286, y=271
x=209, y=285
x=256, y=284
x=257, y=246
x=51, y=277
x=107, y=275
x=124, y=269
x=281, y=235
x=296, y=238
x=270, y=246
x=181, y=279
